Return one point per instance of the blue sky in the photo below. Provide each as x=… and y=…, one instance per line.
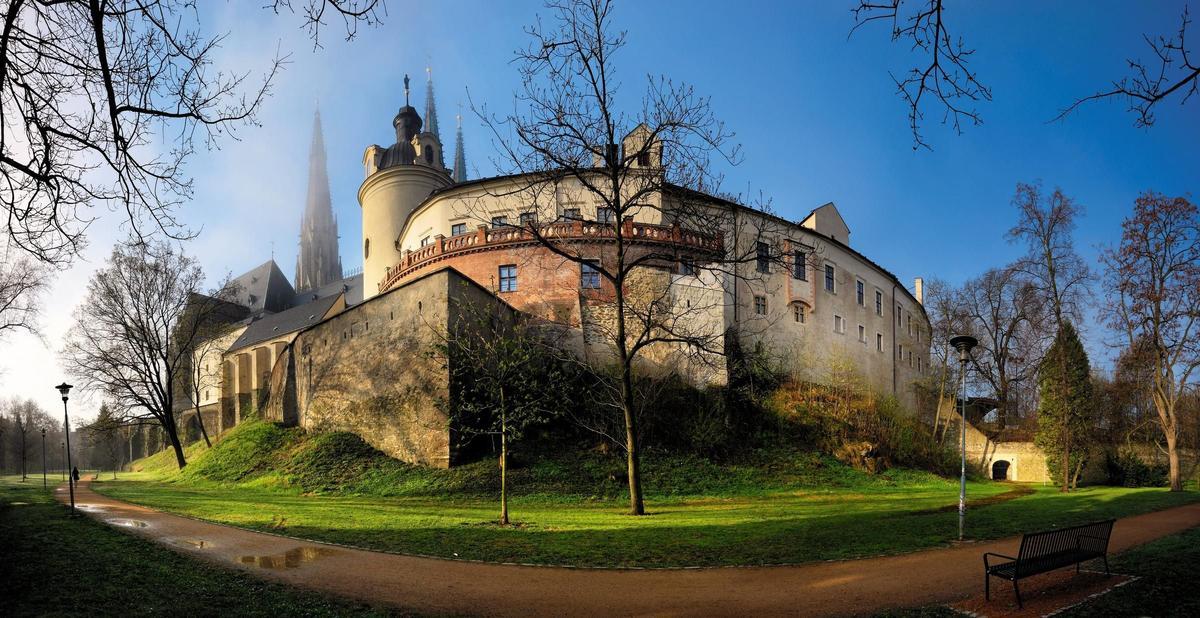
x=816, y=114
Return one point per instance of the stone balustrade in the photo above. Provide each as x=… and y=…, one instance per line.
x=504, y=237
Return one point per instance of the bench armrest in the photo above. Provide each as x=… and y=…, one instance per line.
x=990, y=553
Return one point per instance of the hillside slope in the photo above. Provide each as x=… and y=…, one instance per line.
x=266, y=455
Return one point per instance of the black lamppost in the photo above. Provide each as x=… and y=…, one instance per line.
x=65, y=388
x=43, y=457
x=62, y=459
x=963, y=343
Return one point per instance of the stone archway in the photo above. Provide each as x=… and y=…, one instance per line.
x=1000, y=470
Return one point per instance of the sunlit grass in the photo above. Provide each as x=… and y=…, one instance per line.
x=775, y=506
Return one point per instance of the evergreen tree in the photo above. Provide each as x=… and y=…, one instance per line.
x=1065, y=412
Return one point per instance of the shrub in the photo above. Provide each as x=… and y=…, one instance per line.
x=1127, y=469
x=860, y=429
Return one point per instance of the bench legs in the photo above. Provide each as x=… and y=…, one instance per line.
x=987, y=586
x=1017, y=590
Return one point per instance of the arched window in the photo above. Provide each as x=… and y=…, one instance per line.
x=366, y=247
x=429, y=154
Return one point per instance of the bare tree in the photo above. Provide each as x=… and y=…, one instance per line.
x=943, y=78
x=1007, y=315
x=947, y=319
x=572, y=150
x=1174, y=71
x=1046, y=224
x=105, y=100
x=135, y=331
x=1154, y=288
x=22, y=283
x=26, y=418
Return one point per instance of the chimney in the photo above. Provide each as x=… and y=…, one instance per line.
x=919, y=289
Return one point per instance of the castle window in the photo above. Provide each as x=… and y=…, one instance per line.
x=605, y=215
x=878, y=302
x=508, y=278
x=898, y=311
x=428, y=154
x=528, y=218
x=910, y=363
x=909, y=325
x=839, y=325
x=500, y=221
x=366, y=247
x=458, y=229
x=900, y=351
x=643, y=158
x=860, y=290
x=920, y=367
x=206, y=395
x=879, y=341
x=764, y=257
x=798, y=313
x=830, y=284
x=589, y=275
x=760, y=305
x=687, y=267
x=425, y=241
x=571, y=214
x=862, y=333
x=799, y=266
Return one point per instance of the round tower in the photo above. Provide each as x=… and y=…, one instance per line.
x=398, y=180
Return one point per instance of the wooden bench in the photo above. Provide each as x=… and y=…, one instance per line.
x=1042, y=552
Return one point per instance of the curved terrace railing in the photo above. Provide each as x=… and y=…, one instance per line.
x=484, y=239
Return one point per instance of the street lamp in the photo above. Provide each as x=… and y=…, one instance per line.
x=43, y=457
x=964, y=344
x=65, y=388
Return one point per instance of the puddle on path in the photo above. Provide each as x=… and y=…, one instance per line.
x=290, y=559
x=91, y=508
x=128, y=523
x=190, y=543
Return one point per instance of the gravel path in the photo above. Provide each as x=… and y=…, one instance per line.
x=428, y=585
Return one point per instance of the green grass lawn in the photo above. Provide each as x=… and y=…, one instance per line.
x=63, y=566
x=771, y=506
x=801, y=525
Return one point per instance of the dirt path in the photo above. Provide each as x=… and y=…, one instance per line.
x=443, y=586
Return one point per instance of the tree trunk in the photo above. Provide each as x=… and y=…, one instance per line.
x=172, y=434
x=1066, y=463
x=1173, y=458
x=203, y=431
x=503, y=462
x=636, y=505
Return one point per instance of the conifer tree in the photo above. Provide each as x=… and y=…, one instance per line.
x=1065, y=387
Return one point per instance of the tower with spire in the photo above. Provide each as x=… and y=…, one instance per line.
x=318, y=262
x=460, y=159
x=431, y=119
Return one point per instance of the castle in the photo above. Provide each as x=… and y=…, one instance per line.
x=346, y=353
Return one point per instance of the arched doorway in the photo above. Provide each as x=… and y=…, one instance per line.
x=1000, y=471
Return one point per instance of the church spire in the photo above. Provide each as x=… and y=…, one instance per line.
x=431, y=121
x=460, y=159
x=318, y=262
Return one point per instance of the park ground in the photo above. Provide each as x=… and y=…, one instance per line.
x=774, y=507
x=73, y=566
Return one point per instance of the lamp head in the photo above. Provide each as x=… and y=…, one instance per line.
x=964, y=344
x=65, y=389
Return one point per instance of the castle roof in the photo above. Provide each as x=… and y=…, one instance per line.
x=264, y=289
x=278, y=324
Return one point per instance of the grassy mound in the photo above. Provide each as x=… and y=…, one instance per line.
x=266, y=455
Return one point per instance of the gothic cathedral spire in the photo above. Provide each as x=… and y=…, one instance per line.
x=318, y=262
x=431, y=122
x=460, y=159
